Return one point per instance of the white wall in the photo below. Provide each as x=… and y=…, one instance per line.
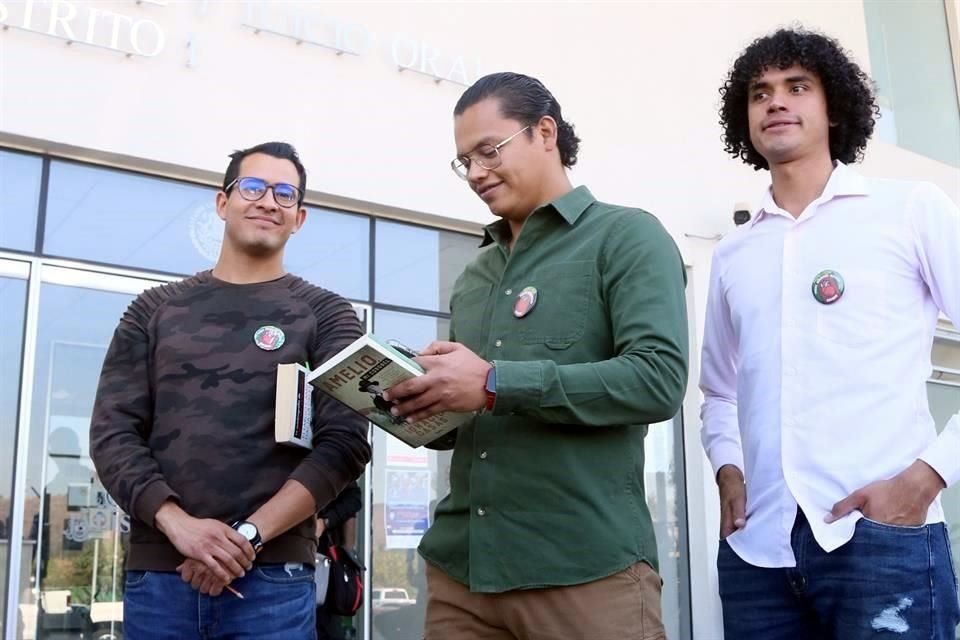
x=639, y=81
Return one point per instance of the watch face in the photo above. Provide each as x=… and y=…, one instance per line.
x=247, y=530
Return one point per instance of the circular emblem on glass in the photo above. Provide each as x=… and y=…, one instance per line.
x=206, y=232
x=828, y=287
x=269, y=338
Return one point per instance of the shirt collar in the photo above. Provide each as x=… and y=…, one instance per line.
x=843, y=181
x=570, y=206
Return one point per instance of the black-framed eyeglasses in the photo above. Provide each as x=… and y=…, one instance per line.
x=252, y=189
x=485, y=155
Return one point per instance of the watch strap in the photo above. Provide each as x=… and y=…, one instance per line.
x=491, y=389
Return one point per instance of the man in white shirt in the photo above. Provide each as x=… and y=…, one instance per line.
x=820, y=322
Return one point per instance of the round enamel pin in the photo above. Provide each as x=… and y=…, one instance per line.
x=526, y=301
x=269, y=338
x=828, y=287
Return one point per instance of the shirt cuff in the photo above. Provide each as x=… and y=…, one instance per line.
x=941, y=455
x=151, y=499
x=725, y=453
x=519, y=386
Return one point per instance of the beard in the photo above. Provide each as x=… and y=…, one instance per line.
x=255, y=245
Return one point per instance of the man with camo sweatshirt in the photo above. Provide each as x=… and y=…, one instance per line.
x=182, y=434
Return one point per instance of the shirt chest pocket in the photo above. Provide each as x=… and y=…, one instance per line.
x=564, y=293
x=861, y=316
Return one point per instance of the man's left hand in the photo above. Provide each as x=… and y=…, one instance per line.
x=200, y=577
x=455, y=380
x=902, y=500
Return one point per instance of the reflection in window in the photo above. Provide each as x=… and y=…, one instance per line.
x=943, y=391
x=13, y=292
x=407, y=483
x=332, y=251
x=71, y=577
x=417, y=267
x=130, y=220
x=665, y=490
x=19, y=200
x=919, y=110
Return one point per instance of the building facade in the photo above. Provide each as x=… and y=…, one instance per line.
x=116, y=118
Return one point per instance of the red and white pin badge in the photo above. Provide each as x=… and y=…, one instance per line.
x=526, y=301
x=269, y=338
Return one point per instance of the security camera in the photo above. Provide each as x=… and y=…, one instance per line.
x=741, y=216
x=741, y=213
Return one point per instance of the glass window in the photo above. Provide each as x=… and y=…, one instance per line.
x=332, y=251
x=19, y=200
x=407, y=483
x=417, y=267
x=943, y=390
x=912, y=66
x=130, y=220
x=13, y=292
x=74, y=539
x=665, y=487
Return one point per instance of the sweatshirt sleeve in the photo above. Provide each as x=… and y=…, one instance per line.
x=121, y=421
x=340, y=446
x=345, y=506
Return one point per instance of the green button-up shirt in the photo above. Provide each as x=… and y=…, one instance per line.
x=548, y=488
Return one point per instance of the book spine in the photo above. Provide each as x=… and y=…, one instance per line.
x=301, y=400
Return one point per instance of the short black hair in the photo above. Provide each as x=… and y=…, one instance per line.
x=525, y=100
x=282, y=150
x=851, y=98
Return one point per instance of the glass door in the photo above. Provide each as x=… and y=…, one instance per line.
x=74, y=536
x=406, y=486
x=13, y=293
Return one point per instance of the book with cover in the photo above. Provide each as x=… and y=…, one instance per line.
x=294, y=410
x=359, y=374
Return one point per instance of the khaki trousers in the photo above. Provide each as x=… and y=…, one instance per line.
x=624, y=606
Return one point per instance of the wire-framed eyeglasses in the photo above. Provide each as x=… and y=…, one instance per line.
x=485, y=155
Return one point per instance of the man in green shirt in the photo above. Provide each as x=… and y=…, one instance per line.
x=568, y=336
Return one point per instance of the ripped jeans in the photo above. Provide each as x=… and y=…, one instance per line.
x=887, y=583
x=279, y=603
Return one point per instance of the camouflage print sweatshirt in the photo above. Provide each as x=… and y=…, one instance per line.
x=185, y=405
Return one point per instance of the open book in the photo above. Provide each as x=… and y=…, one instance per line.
x=359, y=374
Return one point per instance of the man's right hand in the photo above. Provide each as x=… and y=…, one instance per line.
x=221, y=549
x=733, y=500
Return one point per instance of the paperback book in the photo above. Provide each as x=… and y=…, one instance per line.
x=294, y=410
x=358, y=375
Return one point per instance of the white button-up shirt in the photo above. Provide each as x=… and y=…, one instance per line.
x=813, y=401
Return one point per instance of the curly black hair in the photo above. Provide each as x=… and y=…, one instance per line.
x=851, y=99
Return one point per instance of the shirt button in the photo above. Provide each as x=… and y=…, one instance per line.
x=483, y=455
x=481, y=511
x=498, y=343
x=508, y=292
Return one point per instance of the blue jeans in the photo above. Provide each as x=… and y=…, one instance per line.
x=887, y=582
x=278, y=603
